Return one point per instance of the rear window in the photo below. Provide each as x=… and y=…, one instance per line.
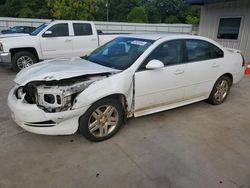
x=81, y=29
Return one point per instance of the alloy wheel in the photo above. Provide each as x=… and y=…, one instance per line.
x=221, y=90
x=103, y=121
x=24, y=61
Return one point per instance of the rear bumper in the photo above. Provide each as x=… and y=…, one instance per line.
x=5, y=57
x=239, y=76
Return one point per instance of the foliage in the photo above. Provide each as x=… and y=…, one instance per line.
x=25, y=8
x=172, y=19
x=192, y=20
x=72, y=9
x=138, y=15
x=152, y=11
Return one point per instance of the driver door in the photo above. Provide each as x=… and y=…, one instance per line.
x=159, y=88
x=59, y=43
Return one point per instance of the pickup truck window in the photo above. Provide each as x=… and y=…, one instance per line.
x=81, y=29
x=59, y=30
x=120, y=53
x=39, y=29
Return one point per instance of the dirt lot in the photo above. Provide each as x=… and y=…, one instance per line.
x=193, y=146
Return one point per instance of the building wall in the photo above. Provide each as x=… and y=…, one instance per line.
x=108, y=27
x=211, y=14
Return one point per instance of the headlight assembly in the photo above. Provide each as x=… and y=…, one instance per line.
x=19, y=92
x=59, y=98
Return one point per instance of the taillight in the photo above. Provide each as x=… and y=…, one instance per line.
x=243, y=60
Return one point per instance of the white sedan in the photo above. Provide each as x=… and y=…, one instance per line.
x=133, y=75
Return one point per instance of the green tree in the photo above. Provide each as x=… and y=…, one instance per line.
x=25, y=8
x=167, y=8
x=72, y=9
x=119, y=9
x=172, y=19
x=193, y=11
x=192, y=20
x=138, y=15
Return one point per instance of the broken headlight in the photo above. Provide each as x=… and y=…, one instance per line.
x=59, y=98
x=19, y=92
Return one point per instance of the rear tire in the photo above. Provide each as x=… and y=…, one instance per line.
x=220, y=90
x=23, y=59
x=102, y=120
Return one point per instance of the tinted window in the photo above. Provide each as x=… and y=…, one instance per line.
x=40, y=28
x=229, y=28
x=198, y=50
x=170, y=53
x=60, y=30
x=82, y=29
x=216, y=52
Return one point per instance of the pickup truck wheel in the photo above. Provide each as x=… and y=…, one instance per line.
x=22, y=60
x=220, y=91
x=102, y=120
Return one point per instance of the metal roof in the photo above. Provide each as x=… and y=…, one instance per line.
x=202, y=2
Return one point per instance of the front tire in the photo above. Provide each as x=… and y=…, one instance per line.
x=102, y=120
x=23, y=59
x=220, y=90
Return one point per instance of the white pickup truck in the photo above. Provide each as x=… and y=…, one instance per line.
x=56, y=39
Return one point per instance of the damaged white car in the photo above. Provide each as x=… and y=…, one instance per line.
x=133, y=75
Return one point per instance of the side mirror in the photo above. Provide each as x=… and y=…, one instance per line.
x=154, y=64
x=47, y=34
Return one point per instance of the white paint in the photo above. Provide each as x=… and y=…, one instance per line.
x=155, y=90
x=57, y=47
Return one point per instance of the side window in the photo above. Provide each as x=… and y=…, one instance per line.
x=60, y=30
x=27, y=30
x=81, y=29
x=216, y=52
x=170, y=53
x=199, y=50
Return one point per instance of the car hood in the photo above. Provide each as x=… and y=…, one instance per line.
x=13, y=35
x=58, y=69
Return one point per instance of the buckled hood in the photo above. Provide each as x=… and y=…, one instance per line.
x=58, y=69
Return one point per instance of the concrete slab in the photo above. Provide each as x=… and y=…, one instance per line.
x=193, y=146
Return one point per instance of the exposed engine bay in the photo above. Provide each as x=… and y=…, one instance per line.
x=56, y=96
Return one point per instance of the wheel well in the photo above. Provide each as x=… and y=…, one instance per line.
x=230, y=76
x=121, y=98
x=31, y=50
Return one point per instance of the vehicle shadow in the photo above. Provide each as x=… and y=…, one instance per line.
x=6, y=67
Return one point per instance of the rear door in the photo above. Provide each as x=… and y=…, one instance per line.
x=164, y=86
x=203, y=67
x=59, y=43
x=85, y=39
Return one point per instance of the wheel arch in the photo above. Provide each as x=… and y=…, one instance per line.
x=32, y=50
x=229, y=75
x=120, y=97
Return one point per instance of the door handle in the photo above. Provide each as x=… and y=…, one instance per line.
x=178, y=71
x=93, y=39
x=68, y=40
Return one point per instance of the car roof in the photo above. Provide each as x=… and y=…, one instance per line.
x=157, y=36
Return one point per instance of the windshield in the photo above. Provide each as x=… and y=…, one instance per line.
x=119, y=53
x=38, y=29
